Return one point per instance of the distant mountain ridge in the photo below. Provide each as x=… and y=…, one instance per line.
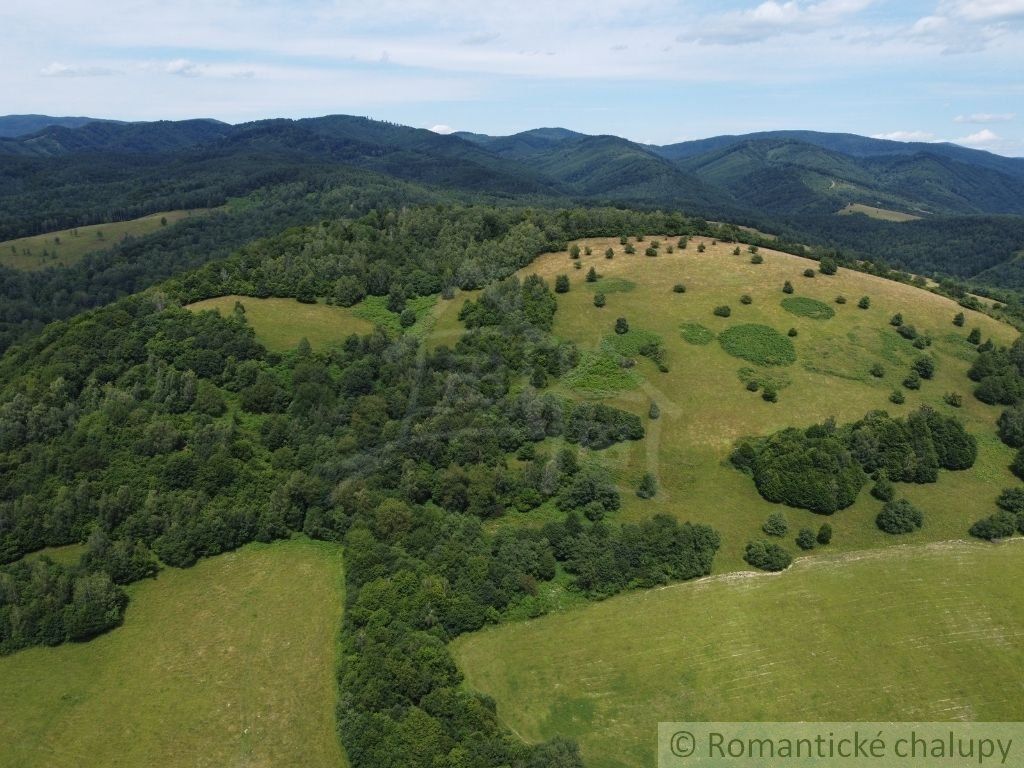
x=12, y=126
x=788, y=182
x=774, y=172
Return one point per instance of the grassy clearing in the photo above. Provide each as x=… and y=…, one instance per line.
x=600, y=373
x=705, y=406
x=280, y=324
x=919, y=633
x=226, y=663
x=63, y=248
x=374, y=310
x=758, y=344
x=876, y=213
x=802, y=306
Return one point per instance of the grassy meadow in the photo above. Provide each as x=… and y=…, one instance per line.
x=280, y=324
x=917, y=633
x=704, y=403
x=225, y=663
x=877, y=213
x=67, y=246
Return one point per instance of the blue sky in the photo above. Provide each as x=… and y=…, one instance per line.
x=650, y=70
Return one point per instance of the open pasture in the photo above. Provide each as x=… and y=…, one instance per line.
x=917, y=633
x=225, y=663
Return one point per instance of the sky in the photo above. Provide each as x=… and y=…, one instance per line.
x=649, y=70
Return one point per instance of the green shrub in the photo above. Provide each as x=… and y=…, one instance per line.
x=769, y=394
x=1012, y=500
x=599, y=300
x=897, y=397
x=776, y=525
x=1001, y=525
x=723, y=310
x=802, y=306
x=767, y=556
x=828, y=266
x=825, y=534
x=648, y=487
x=877, y=370
x=787, y=287
x=792, y=333
x=806, y=539
x=757, y=258
x=883, y=489
x=865, y=302
x=562, y=284
x=840, y=299
x=809, y=273
x=760, y=344
x=925, y=367
x=609, y=253
x=746, y=299
x=958, y=319
x=679, y=288
x=591, y=275
x=621, y=326
x=898, y=517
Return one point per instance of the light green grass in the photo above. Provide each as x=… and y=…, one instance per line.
x=871, y=211
x=705, y=406
x=227, y=663
x=697, y=334
x=632, y=342
x=64, y=248
x=802, y=306
x=600, y=373
x=922, y=633
x=611, y=285
x=280, y=324
x=756, y=343
x=68, y=555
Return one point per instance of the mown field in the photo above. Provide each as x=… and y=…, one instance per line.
x=705, y=406
x=63, y=248
x=918, y=633
x=228, y=663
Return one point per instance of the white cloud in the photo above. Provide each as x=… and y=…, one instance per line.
x=772, y=18
x=182, y=68
x=968, y=26
x=984, y=137
x=981, y=118
x=984, y=10
x=442, y=128
x=905, y=136
x=56, y=69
